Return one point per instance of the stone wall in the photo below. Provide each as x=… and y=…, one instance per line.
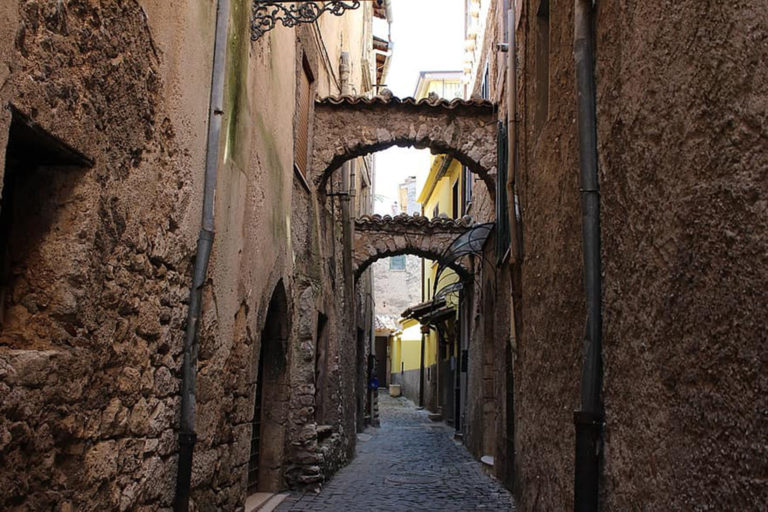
x=92, y=335
x=684, y=180
x=682, y=174
x=549, y=347
x=92, y=331
x=396, y=290
x=486, y=405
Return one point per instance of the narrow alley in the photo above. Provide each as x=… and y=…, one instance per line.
x=409, y=463
x=369, y=255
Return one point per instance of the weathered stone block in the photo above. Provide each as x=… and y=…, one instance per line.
x=101, y=461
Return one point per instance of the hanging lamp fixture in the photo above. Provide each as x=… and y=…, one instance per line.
x=265, y=14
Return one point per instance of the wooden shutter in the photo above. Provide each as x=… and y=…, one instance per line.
x=301, y=144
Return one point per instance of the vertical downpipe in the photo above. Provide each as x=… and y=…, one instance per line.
x=516, y=239
x=588, y=420
x=515, y=250
x=187, y=435
x=516, y=230
x=347, y=186
x=421, y=366
x=346, y=195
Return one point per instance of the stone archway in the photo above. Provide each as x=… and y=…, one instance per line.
x=348, y=127
x=379, y=237
x=265, y=463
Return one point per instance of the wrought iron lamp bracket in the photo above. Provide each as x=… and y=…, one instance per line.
x=265, y=14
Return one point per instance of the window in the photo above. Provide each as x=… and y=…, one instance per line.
x=542, y=66
x=485, y=85
x=303, y=108
x=397, y=262
x=38, y=206
x=468, y=182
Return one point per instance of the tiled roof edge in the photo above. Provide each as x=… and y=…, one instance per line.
x=393, y=100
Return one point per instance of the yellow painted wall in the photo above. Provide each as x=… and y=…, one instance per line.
x=439, y=193
x=405, y=348
x=441, y=196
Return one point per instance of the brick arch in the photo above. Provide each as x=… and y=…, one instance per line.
x=378, y=237
x=348, y=127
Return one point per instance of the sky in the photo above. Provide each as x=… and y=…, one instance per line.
x=428, y=35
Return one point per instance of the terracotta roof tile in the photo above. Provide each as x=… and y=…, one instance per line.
x=387, y=222
x=393, y=100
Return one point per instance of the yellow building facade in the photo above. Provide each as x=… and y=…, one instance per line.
x=445, y=194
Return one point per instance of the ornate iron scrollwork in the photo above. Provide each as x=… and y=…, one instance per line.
x=266, y=13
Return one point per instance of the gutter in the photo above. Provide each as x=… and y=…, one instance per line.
x=589, y=419
x=187, y=435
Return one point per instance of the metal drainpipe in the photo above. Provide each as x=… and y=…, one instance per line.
x=421, y=367
x=588, y=420
x=515, y=249
x=187, y=435
x=346, y=187
x=347, y=191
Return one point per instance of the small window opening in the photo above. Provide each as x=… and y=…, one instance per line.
x=40, y=174
x=542, y=65
x=397, y=262
x=321, y=363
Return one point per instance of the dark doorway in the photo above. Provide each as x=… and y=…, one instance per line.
x=265, y=471
x=321, y=364
x=381, y=361
x=362, y=382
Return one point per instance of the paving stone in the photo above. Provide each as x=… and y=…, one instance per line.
x=409, y=463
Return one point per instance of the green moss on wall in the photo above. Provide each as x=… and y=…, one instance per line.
x=237, y=84
x=275, y=180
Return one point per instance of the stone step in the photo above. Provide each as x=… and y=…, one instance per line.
x=487, y=461
x=264, y=501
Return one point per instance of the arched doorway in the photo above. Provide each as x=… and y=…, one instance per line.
x=265, y=471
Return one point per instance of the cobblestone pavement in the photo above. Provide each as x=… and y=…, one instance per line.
x=409, y=464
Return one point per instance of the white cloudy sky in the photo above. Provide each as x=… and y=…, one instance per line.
x=428, y=35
